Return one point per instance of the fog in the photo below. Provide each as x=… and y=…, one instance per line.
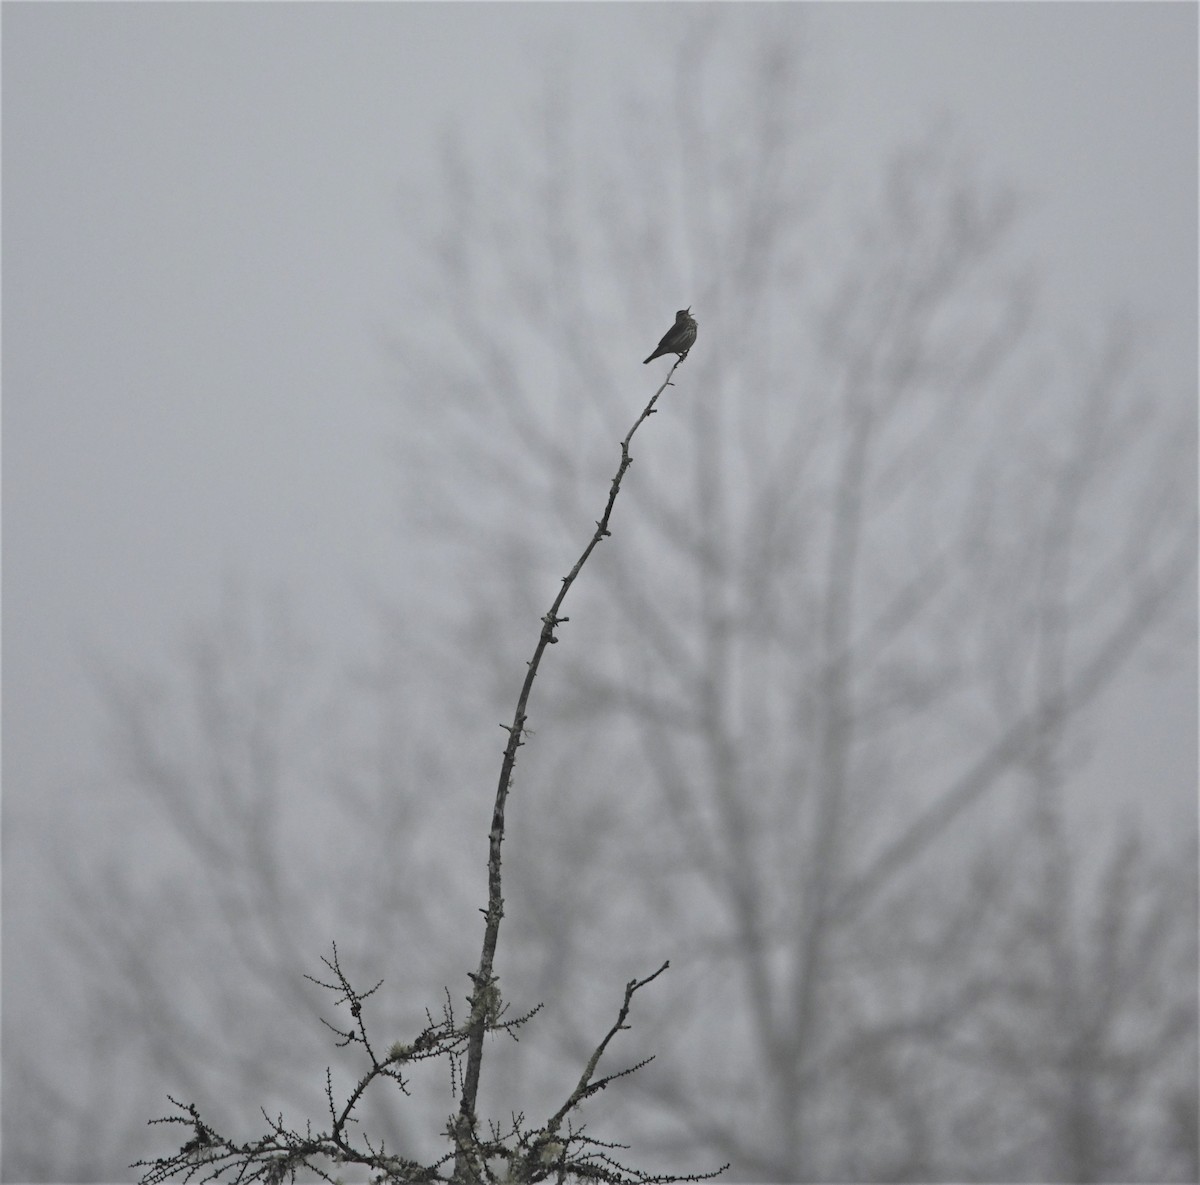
x=247, y=252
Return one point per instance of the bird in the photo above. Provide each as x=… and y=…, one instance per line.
x=679, y=338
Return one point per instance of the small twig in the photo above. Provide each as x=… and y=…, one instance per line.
x=586, y=1086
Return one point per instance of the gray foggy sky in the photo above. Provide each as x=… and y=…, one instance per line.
x=203, y=252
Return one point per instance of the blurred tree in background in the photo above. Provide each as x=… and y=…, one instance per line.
x=823, y=710
x=840, y=674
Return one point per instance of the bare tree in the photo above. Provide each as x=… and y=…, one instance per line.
x=874, y=596
x=820, y=713
x=483, y=1150
x=228, y=805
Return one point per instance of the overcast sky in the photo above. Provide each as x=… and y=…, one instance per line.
x=202, y=253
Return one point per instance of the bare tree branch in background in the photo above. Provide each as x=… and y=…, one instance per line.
x=868, y=615
x=274, y=806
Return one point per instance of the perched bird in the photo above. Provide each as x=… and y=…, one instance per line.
x=679, y=338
